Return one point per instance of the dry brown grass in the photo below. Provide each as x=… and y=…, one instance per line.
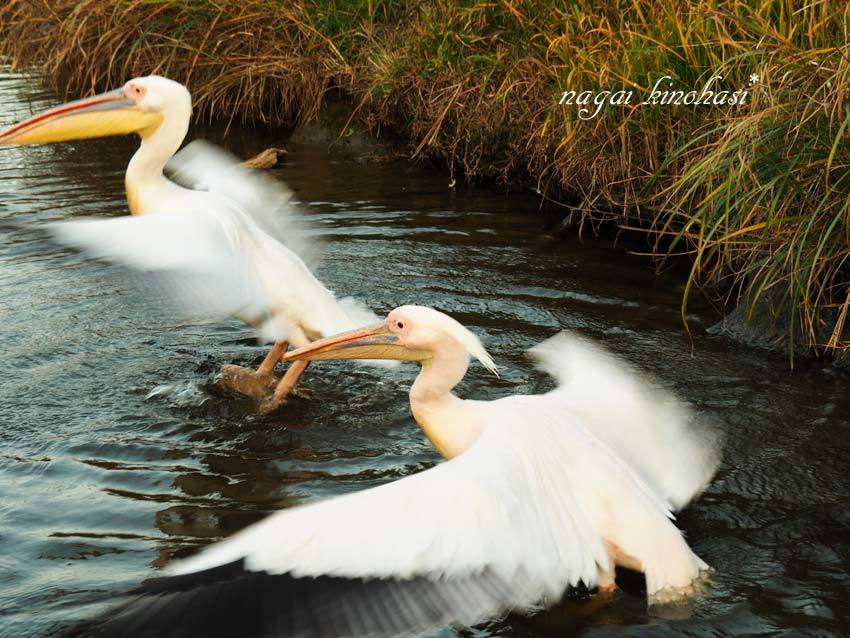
x=248, y=60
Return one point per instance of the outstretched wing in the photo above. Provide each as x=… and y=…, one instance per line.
x=496, y=528
x=232, y=601
x=198, y=258
x=653, y=431
x=213, y=261
x=202, y=166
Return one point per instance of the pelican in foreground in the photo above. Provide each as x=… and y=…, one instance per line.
x=538, y=493
x=223, y=239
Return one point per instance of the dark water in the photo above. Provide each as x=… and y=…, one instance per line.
x=115, y=457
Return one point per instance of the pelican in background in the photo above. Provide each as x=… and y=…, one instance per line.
x=538, y=493
x=227, y=242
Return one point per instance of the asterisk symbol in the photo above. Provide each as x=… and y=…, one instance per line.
x=754, y=78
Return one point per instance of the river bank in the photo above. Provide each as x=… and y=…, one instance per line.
x=718, y=128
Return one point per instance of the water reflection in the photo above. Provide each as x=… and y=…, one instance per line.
x=115, y=457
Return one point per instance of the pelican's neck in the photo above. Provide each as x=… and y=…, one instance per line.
x=445, y=418
x=145, y=169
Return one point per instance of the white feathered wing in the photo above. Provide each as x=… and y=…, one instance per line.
x=649, y=428
x=534, y=505
x=214, y=256
x=524, y=513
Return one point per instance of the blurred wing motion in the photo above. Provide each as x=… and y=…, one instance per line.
x=646, y=426
x=464, y=541
x=198, y=258
x=218, y=252
x=515, y=519
x=202, y=166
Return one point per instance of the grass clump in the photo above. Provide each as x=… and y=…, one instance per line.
x=757, y=194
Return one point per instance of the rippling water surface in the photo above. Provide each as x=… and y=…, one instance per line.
x=116, y=456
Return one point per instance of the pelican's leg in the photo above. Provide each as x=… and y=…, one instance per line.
x=607, y=583
x=606, y=579
x=272, y=358
x=284, y=387
x=673, y=572
x=254, y=383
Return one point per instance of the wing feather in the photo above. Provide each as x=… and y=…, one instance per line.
x=198, y=259
x=240, y=602
x=514, y=520
x=646, y=426
x=215, y=262
x=502, y=505
x=202, y=166
x=234, y=244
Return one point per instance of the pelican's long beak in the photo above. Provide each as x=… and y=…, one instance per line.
x=371, y=342
x=112, y=113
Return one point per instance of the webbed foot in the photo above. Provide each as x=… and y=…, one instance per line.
x=249, y=383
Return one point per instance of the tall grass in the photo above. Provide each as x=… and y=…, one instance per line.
x=757, y=195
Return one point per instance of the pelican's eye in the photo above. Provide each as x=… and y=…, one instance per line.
x=399, y=325
x=137, y=91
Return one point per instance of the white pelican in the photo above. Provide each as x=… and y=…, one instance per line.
x=539, y=493
x=220, y=242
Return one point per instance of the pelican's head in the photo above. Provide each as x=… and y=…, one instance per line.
x=140, y=106
x=409, y=333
